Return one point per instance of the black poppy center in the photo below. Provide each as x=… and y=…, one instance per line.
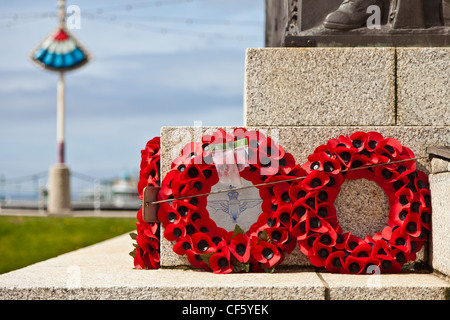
x=345, y=156
x=240, y=249
x=203, y=245
x=316, y=182
x=267, y=253
x=192, y=172
x=222, y=263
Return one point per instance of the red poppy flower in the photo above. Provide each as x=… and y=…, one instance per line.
x=266, y=253
x=267, y=220
x=195, y=260
x=345, y=156
x=254, y=138
x=220, y=263
x=404, y=196
x=319, y=254
x=397, y=214
x=390, y=146
x=352, y=242
x=240, y=247
x=287, y=165
x=355, y=265
x=206, y=226
x=239, y=133
x=335, y=261
x=174, y=232
x=359, y=140
x=168, y=217
x=146, y=256
x=373, y=138
x=388, y=264
x=283, y=215
x=316, y=180
x=202, y=243
x=322, y=161
x=183, y=245
x=359, y=161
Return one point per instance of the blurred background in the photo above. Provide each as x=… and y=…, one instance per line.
x=155, y=63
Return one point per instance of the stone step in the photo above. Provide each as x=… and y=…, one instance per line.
x=105, y=271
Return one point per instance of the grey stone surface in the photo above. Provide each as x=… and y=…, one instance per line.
x=105, y=271
x=319, y=86
x=440, y=223
x=408, y=286
x=423, y=84
x=301, y=142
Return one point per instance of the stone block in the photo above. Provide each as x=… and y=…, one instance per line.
x=440, y=165
x=371, y=203
x=319, y=87
x=440, y=200
x=385, y=287
x=423, y=86
x=105, y=271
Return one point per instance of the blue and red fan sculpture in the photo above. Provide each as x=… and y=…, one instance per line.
x=60, y=52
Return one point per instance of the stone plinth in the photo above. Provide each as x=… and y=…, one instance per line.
x=320, y=87
x=440, y=200
x=356, y=196
x=347, y=86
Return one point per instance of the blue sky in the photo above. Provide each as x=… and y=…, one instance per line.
x=185, y=65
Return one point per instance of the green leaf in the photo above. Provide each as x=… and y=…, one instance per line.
x=237, y=230
x=268, y=270
x=239, y=266
x=205, y=257
x=133, y=235
x=264, y=236
x=133, y=253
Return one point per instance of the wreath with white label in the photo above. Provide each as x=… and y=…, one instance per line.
x=298, y=205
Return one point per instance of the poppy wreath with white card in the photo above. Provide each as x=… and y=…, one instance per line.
x=297, y=205
x=187, y=222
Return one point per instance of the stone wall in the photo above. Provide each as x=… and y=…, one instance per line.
x=305, y=96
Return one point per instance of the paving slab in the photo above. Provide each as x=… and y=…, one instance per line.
x=105, y=271
x=408, y=286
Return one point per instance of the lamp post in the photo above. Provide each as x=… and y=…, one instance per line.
x=60, y=52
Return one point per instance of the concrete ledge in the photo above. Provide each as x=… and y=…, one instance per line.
x=104, y=271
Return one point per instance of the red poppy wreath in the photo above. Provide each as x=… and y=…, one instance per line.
x=146, y=250
x=297, y=205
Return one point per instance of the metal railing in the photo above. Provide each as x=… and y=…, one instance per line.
x=87, y=193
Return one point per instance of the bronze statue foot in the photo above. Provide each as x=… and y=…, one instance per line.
x=352, y=14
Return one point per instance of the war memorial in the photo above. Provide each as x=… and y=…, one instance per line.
x=336, y=187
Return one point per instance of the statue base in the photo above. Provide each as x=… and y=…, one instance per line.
x=363, y=37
